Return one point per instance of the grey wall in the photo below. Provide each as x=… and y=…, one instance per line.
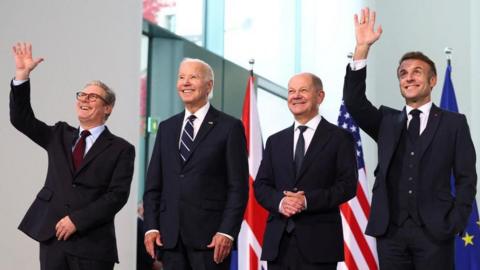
x=81, y=41
x=428, y=26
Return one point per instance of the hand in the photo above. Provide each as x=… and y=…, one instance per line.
x=222, y=245
x=150, y=240
x=24, y=63
x=293, y=203
x=365, y=33
x=65, y=228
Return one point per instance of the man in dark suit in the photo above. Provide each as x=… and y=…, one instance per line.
x=307, y=171
x=414, y=215
x=197, y=183
x=88, y=178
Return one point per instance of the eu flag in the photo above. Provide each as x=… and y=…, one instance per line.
x=467, y=246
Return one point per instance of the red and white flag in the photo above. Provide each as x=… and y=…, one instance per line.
x=360, y=249
x=250, y=239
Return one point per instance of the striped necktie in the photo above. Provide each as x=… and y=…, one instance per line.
x=186, y=141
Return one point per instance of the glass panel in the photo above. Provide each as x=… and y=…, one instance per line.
x=263, y=30
x=273, y=113
x=185, y=17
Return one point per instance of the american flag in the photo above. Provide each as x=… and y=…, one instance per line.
x=250, y=239
x=360, y=249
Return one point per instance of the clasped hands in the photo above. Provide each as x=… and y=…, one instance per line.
x=292, y=203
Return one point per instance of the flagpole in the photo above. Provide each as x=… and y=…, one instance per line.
x=251, y=62
x=448, y=53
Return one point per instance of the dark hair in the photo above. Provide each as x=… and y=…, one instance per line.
x=419, y=56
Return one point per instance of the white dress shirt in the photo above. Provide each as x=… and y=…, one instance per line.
x=425, y=109
x=90, y=140
x=307, y=134
x=200, y=115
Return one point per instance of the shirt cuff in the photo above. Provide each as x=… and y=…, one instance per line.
x=18, y=82
x=226, y=235
x=280, y=205
x=358, y=64
x=149, y=231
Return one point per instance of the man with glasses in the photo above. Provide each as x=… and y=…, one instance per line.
x=88, y=178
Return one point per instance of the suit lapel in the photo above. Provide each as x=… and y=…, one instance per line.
x=289, y=154
x=102, y=143
x=174, y=137
x=208, y=123
x=392, y=136
x=431, y=129
x=319, y=140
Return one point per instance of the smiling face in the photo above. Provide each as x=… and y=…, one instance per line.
x=304, y=97
x=194, y=84
x=416, y=81
x=92, y=113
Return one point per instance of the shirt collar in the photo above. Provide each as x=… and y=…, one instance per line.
x=200, y=113
x=425, y=108
x=94, y=132
x=311, y=124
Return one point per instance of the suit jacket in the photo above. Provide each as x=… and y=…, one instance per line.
x=205, y=194
x=446, y=149
x=90, y=196
x=328, y=176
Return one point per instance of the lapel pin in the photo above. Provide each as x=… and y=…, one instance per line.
x=210, y=123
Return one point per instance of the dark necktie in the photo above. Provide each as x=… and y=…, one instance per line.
x=79, y=149
x=186, y=141
x=414, y=125
x=300, y=149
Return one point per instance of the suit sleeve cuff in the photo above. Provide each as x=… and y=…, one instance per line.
x=280, y=205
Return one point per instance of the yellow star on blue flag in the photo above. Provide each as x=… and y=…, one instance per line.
x=468, y=239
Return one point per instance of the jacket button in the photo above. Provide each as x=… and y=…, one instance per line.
x=295, y=189
x=74, y=186
x=182, y=175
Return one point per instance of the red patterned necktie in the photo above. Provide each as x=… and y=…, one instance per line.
x=79, y=149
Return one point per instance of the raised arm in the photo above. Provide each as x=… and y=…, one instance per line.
x=365, y=33
x=24, y=62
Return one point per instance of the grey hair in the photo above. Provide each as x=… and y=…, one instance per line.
x=109, y=94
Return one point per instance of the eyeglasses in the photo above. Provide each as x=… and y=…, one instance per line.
x=90, y=97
